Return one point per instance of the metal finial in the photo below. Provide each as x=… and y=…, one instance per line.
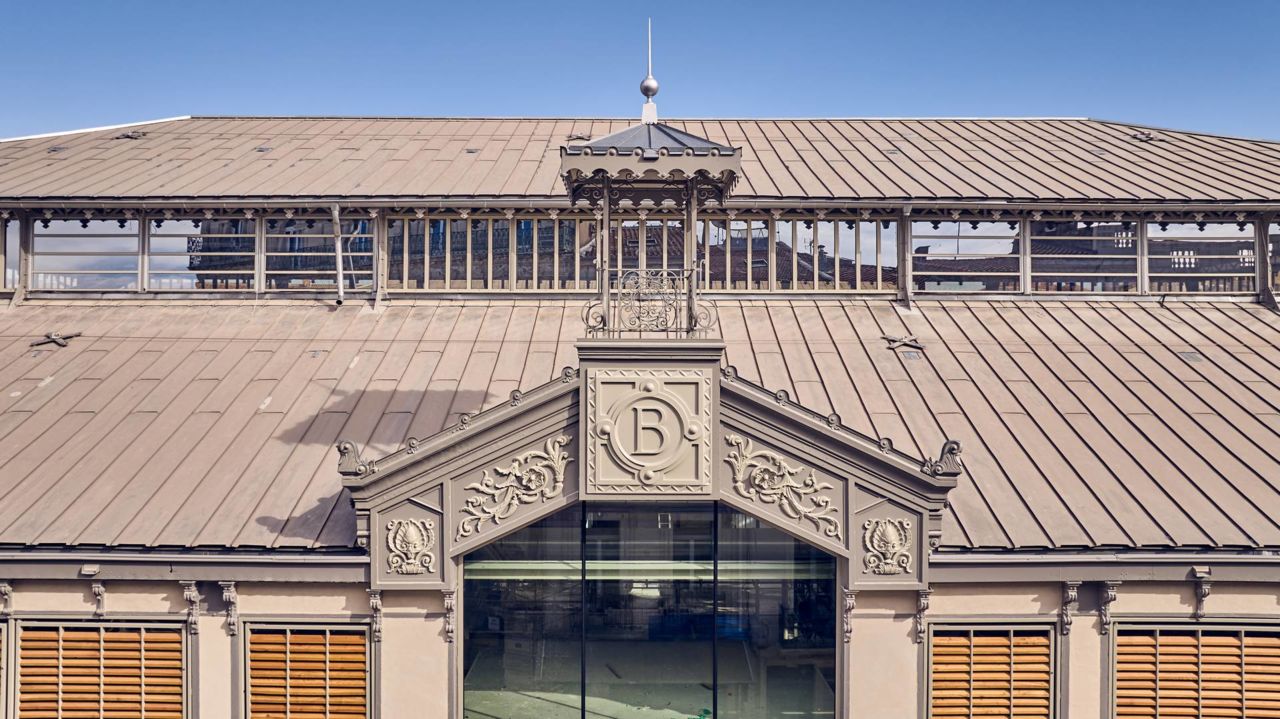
x=649, y=86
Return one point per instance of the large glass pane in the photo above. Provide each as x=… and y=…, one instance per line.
x=458, y=255
x=653, y=245
x=775, y=623
x=716, y=243
x=566, y=257
x=480, y=254
x=825, y=260
x=502, y=254
x=739, y=241
x=804, y=254
x=587, y=251
x=965, y=256
x=1273, y=236
x=522, y=639
x=437, y=257
x=524, y=254
x=546, y=252
x=1201, y=257
x=649, y=610
x=9, y=232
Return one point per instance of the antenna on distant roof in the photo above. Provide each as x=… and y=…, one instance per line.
x=649, y=88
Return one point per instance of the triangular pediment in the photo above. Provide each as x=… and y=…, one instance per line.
x=435, y=499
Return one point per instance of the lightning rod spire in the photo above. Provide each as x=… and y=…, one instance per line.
x=649, y=87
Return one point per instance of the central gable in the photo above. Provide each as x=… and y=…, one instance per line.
x=644, y=420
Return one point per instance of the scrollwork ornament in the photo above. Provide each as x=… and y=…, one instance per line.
x=534, y=476
x=765, y=476
x=887, y=543
x=410, y=543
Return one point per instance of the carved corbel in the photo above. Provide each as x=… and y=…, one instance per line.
x=922, y=606
x=1070, y=601
x=99, y=599
x=191, y=595
x=375, y=608
x=232, y=600
x=450, y=609
x=349, y=462
x=6, y=599
x=948, y=462
x=1104, y=605
x=850, y=602
x=1203, y=587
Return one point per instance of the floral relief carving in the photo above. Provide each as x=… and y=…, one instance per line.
x=410, y=542
x=534, y=476
x=765, y=476
x=888, y=546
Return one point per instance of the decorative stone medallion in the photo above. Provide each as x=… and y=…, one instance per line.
x=887, y=543
x=409, y=545
x=648, y=431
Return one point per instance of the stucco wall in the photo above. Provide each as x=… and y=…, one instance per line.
x=887, y=671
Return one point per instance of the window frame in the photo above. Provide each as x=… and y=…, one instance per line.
x=372, y=663
x=1058, y=664
x=10, y=681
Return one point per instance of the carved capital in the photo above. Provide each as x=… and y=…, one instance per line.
x=410, y=546
x=887, y=546
x=191, y=595
x=766, y=477
x=232, y=600
x=534, y=476
x=1070, y=600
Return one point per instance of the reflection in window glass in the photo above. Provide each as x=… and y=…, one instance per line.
x=588, y=247
x=397, y=254
x=480, y=254
x=299, y=254
x=1084, y=257
x=524, y=253
x=545, y=269
x=437, y=254
x=501, y=254
x=716, y=242
x=784, y=254
x=965, y=256
x=9, y=243
x=458, y=266
x=1205, y=257
x=775, y=623
x=522, y=638
x=201, y=254
x=85, y=255
x=739, y=254
x=649, y=610
x=1273, y=237
x=825, y=257
x=802, y=259
x=566, y=255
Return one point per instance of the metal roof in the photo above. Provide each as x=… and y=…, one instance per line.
x=195, y=423
x=1029, y=160
x=652, y=138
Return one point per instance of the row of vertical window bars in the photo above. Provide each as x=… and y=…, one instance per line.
x=1179, y=672
x=457, y=253
x=757, y=254
x=991, y=672
x=308, y=673
x=73, y=671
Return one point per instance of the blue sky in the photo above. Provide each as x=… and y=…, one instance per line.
x=1210, y=66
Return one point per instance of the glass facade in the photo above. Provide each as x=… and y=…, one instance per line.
x=649, y=610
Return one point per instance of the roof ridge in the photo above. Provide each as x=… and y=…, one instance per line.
x=101, y=128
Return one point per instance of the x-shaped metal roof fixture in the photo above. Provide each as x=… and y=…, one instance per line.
x=56, y=338
x=907, y=341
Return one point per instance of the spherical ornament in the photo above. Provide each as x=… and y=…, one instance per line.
x=649, y=86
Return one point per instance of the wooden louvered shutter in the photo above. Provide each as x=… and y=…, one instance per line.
x=308, y=673
x=1197, y=673
x=991, y=673
x=71, y=672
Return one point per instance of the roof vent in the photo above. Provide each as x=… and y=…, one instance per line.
x=578, y=136
x=57, y=148
x=130, y=135
x=471, y=150
x=1143, y=136
x=262, y=148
